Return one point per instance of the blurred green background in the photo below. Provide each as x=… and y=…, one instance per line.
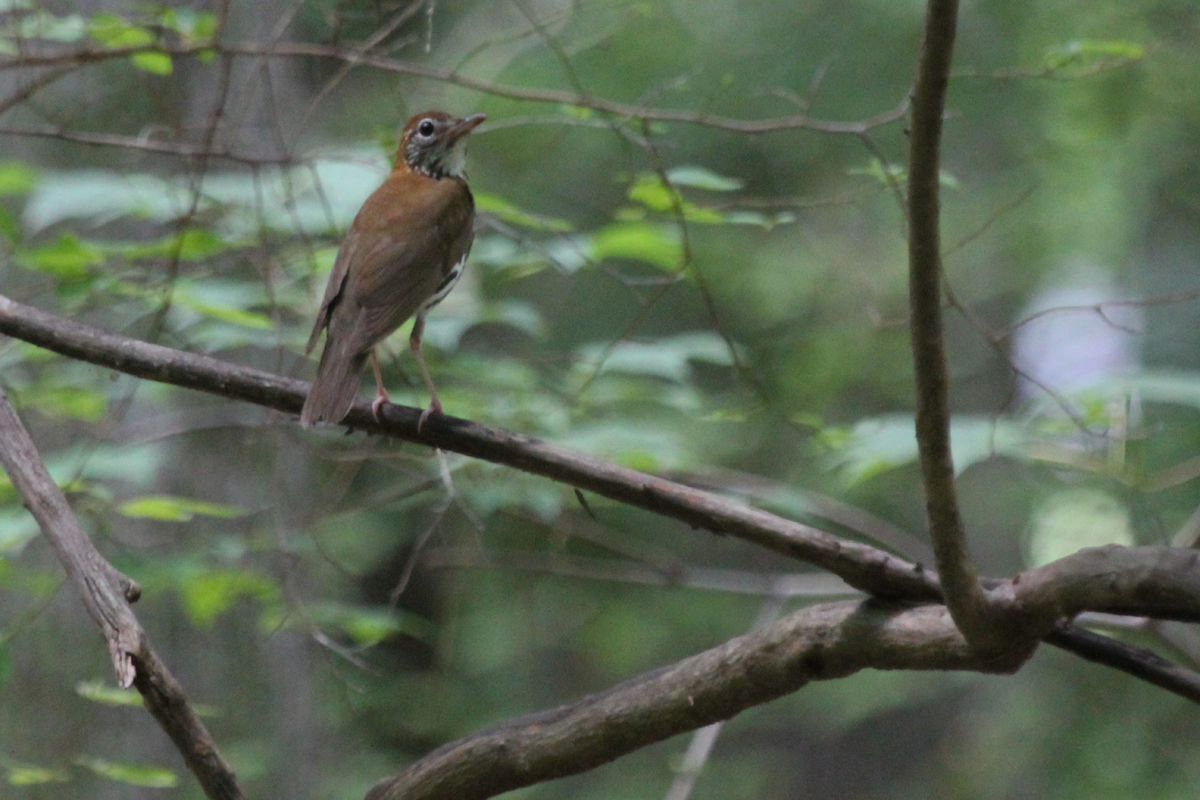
x=338, y=611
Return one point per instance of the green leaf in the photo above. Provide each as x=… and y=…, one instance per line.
x=113, y=31
x=31, y=776
x=882, y=443
x=1068, y=521
x=97, y=692
x=65, y=402
x=897, y=173
x=758, y=218
x=650, y=191
x=367, y=625
x=701, y=178
x=653, y=244
x=67, y=258
x=499, y=207
x=647, y=447
x=135, y=775
x=16, y=178
x=153, y=62
x=192, y=26
x=1084, y=55
x=192, y=244
x=9, y=228
x=196, y=243
x=17, y=526
x=225, y=301
x=664, y=358
x=176, y=509
x=885, y=175
x=234, y=316
x=576, y=112
x=208, y=593
x=40, y=25
x=204, y=25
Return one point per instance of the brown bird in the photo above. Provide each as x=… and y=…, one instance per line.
x=404, y=252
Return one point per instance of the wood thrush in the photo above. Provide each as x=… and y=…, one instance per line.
x=403, y=253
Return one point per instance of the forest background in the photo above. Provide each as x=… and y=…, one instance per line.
x=690, y=261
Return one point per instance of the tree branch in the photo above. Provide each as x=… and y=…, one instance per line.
x=354, y=56
x=820, y=642
x=965, y=597
x=863, y=567
x=1147, y=581
x=107, y=593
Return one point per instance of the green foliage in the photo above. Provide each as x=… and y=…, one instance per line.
x=209, y=592
x=722, y=308
x=1086, y=56
x=97, y=692
x=65, y=402
x=655, y=244
x=497, y=206
x=16, y=178
x=68, y=258
x=132, y=774
x=26, y=775
x=175, y=509
x=154, y=63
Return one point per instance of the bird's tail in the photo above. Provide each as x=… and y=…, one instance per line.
x=334, y=388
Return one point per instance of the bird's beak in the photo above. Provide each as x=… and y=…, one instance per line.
x=464, y=126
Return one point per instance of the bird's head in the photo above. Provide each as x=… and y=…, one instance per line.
x=434, y=143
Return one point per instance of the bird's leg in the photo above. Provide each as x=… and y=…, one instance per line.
x=382, y=396
x=414, y=342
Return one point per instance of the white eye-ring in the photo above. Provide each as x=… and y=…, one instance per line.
x=426, y=128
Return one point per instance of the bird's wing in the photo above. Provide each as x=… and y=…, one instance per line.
x=393, y=278
x=333, y=289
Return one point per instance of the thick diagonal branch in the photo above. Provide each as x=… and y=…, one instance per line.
x=864, y=567
x=817, y=643
x=967, y=600
x=868, y=568
x=820, y=642
x=107, y=593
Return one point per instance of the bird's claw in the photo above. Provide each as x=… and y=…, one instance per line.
x=434, y=408
x=376, y=404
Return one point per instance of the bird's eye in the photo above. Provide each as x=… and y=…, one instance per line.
x=426, y=128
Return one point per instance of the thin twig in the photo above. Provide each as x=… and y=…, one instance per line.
x=703, y=740
x=57, y=57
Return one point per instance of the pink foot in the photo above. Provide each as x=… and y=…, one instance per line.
x=434, y=407
x=377, y=403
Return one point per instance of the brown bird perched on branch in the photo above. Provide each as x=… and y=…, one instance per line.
x=403, y=254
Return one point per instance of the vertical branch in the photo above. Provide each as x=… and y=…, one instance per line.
x=966, y=599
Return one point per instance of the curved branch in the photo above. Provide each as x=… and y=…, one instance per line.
x=964, y=595
x=821, y=642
